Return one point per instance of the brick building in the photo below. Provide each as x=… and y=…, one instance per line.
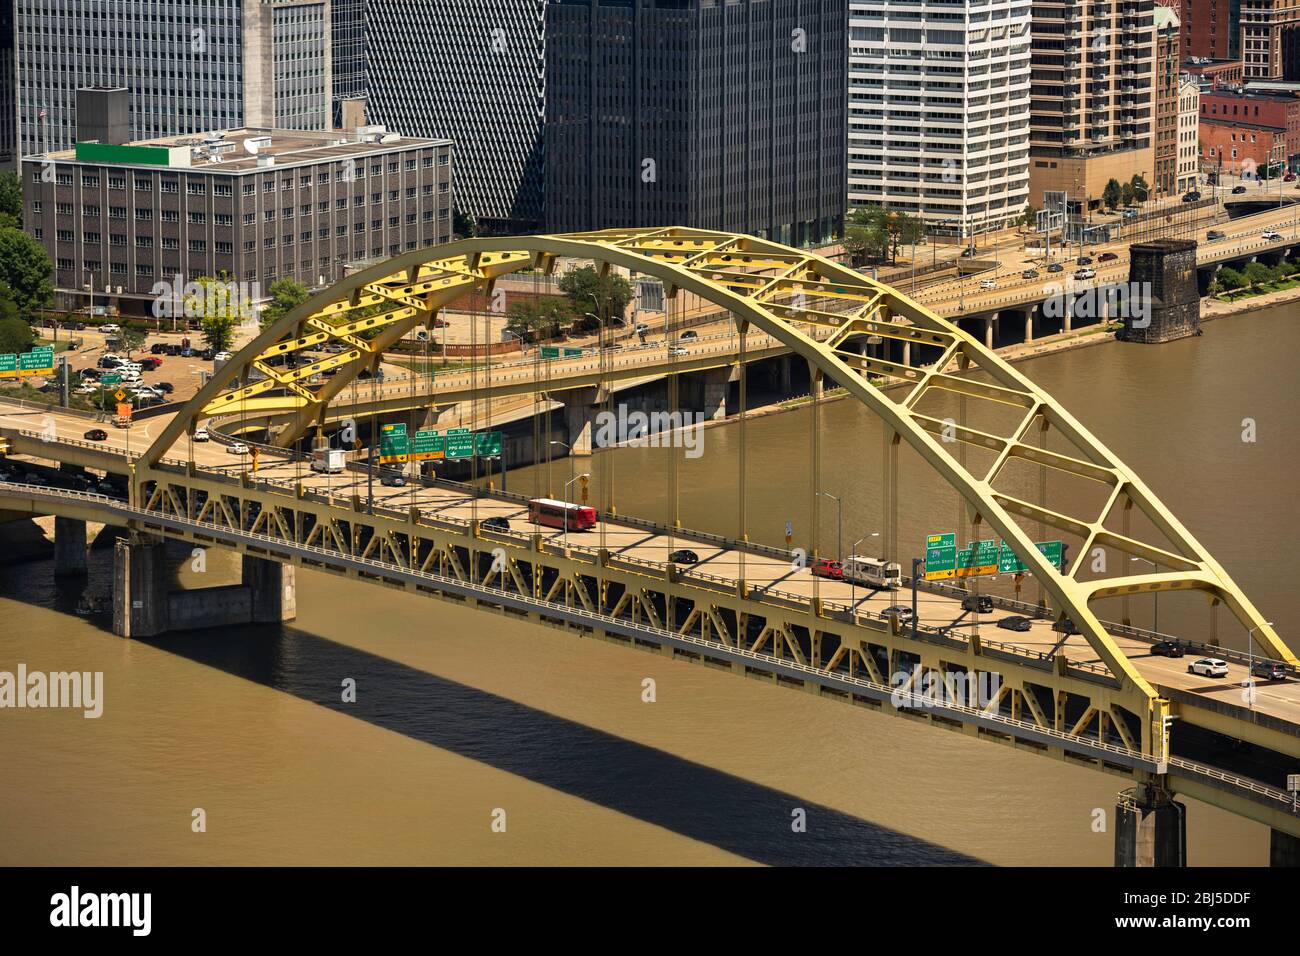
x=1237, y=148
x=1281, y=109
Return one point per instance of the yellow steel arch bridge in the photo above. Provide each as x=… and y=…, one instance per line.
x=814, y=308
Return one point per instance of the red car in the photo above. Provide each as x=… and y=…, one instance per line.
x=826, y=568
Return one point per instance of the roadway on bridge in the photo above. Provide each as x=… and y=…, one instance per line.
x=1278, y=699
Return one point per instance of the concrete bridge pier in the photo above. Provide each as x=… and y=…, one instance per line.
x=580, y=418
x=1283, y=849
x=786, y=365
x=145, y=604
x=988, y=330
x=1150, y=829
x=717, y=383
x=69, y=546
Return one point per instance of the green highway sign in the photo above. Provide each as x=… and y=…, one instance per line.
x=460, y=446
x=572, y=353
x=8, y=365
x=550, y=351
x=487, y=444
x=110, y=378
x=394, y=445
x=457, y=431
x=940, y=556
x=1052, y=550
x=36, y=361
x=429, y=446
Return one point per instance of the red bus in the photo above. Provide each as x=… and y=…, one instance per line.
x=555, y=514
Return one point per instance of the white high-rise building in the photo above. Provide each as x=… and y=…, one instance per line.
x=939, y=110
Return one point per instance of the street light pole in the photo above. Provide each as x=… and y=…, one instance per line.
x=853, y=597
x=566, y=513
x=839, y=522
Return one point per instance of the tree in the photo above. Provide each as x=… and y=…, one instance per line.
x=463, y=224
x=1257, y=273
x=16, y=334
x=589, y=291
x=1141, y=188
x=542, y=319
x=130, y=339
x=219, y=310
x=26, y=270
x=1028, y=218
x=1112, y=194
x=11, y=200
x=876, y=233
x=1230, y=279
x=285, y=294
x=1127, y=194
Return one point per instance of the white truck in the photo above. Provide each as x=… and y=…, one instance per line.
x=874, y=572
x=331, y=461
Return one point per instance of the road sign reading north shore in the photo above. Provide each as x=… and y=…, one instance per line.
x=394, y=445
x=940, y=556
x=429, y=446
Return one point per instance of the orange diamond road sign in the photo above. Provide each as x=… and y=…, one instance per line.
x=119, y=395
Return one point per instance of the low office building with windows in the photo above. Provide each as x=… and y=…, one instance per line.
x=119, y=219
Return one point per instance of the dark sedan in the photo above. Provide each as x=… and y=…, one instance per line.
x=1015, y=623
x=684, y=556
x=96, y=434
x=1167, y=649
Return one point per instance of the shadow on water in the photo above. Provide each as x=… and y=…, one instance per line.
x=736, y=815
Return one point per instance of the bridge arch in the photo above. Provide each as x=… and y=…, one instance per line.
x=784, y=292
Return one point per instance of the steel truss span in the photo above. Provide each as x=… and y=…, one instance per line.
x=788, y=294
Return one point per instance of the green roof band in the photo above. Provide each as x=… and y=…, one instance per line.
x=131, y=155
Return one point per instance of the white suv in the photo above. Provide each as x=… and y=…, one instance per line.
x=1209, y=667
x=1272, y=236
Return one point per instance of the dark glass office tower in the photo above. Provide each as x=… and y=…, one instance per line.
x=718, y=114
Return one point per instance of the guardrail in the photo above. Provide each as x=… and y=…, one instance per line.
x=287, y=550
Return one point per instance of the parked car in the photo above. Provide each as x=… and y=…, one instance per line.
x=1193, y=196
x=902, y=611
x=96, y=434
x=1215, y=234
x=1029, y=274
x=158, y=348
x=1269, y=670
x=1056, y=267
x=980, y=603
x=200, y=434
x=827, y=568
x=1129, y=213
x=164, y=387
x=237, y=448
x=1209, y=667
x=1167, y=649
x=684, y=556
x=1107, y=257
x=496, y=523
x=1015, y=622
x=110, y=329
x=1238, y=190
x=1289, y=178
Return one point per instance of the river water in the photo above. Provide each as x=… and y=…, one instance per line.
x=462, y=718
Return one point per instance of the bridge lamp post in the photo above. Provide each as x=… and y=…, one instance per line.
x=569, y=449
x=853, y=597
x=1155, y=621
x=839, y=524
x=1250, y=635
x=566, y=498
